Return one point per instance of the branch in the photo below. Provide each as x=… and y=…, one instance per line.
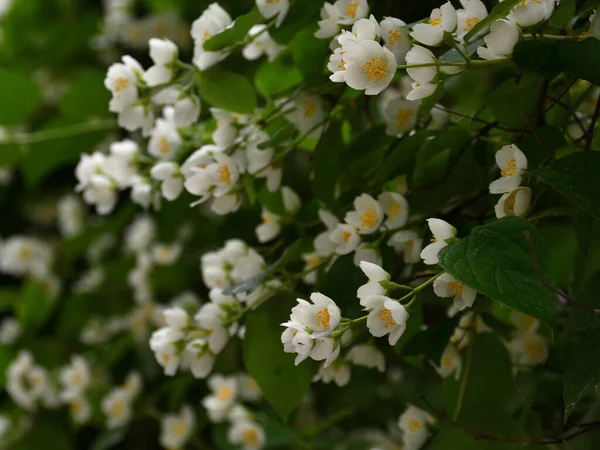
x=480, y=435
x=590, y=130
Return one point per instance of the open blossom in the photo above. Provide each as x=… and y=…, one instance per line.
x=369, y=67
x=394, y=33
x=442, y=20
x=222, y=398
x=500, y=41
x=386, y=316
x=318, y=318
x=350, y=11
x=409, y=243
x=75, y=378
x=471, y=13
x=345, y=239
x=165, y=140
x=413, y=423
x=26, y=382
x=186, y=107
x=328, y=25
x=262, y=44
x=512, y=163
x=447, y=286
x=166, y=254
x=373, y=286
x=213, y=20
x=423, y=77
x=441, y=231
x=80, y=409
x=529, y=349
x=395, y=207
x=531, y=12
x=367, y=215
x=117, y=406
x=171, y=179
x=367, y=355
x=514, y=203
x=450, y=363
x=24, y=255
x=70, y=215
x=121, y=81
x=523, y=322
x=164, y=54
x=272, y=8
x=216, y=178
x=248, y=435
x=324, y=246
x=176, y=429
x=270, y=227
x=305, y=346
x=400, y=116
x=306, y=114
x=339, y=372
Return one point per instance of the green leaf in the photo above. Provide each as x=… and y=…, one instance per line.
x=20, y=97
x=86, y=97
x=500, y=11
x=516, y=99
x=10, y=154
x=327, y=165
x=551, y=58
x=299, y=16
x=563, y=14
x=8, y=297
x=235, y=33
x=282, y=384
x=576, y=177
x=276, y=77
x=227, y=90
x=583, y=370
x=401, y=156
x=497, y=260
x=580, y=318
x=292, y=252
x=34, y=306
x=309, y=53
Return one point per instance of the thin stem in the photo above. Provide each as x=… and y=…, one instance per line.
x=62, y=132
x=555, y=37
x=463, y=381
x=418, y=289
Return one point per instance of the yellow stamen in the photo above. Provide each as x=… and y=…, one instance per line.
x=437, y=21
x=225, y=175
x=375, y=68
x=120, y=84
x=346, y=236
x=414, y=425
x=164, y=146
x=250, y=436
x=509, y=203
x=385, y=315
x=224, y=393
x=369, y=218
x=393, y=36
x=351, y=9
x=470, y=23
x=117, y=409
x=403, y=117
x=323, y=318
x=310, y=108
x=179, y=429
x=456, y=286
x=511, y=168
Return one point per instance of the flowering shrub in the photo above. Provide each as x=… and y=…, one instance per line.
x=299, y=224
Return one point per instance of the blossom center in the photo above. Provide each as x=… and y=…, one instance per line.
x=394, y=209
x=533, y=350
x=121, y=83
x=224, y=393
x=393, y=36
x=165, y=358
x=164, y=146
x=436, y=21
x=346, y=236
x=447, y=361
x=404, y=115
x=351, y=9
x=511, y=168
x=375, y=68
x=77, y=379
x=410, y=244
x=368, y=218
x=76, y=407
x=206, y=35
x=414, y=425
x=250, y=436
x=26, y=254
x=224, y=174
x=456, y=286
x=323, y=318
x=310, y=108
x=470, y=23
x=118, y=409
x=385, y=315
x=179, y=429
x=510, y=203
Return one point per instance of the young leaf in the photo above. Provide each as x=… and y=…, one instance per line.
x=275, y=77
x=500, y=11
x=282, y=384
x=583, y=371
x=576, y=177
x=504, y=260
x=227, y=90
x=235, y=33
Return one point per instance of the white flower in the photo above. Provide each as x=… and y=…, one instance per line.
x=23, y=255
x=394, y=33
x=219, y=177
x=226, y=131
x=400, y=116
x=531, y=12
x=409, y=243
x=248, y=435
x=413, y=423
x=339, y=373
x=10, y=330
x=345, y=239
x=512, y=163
x=291, y=200
x=328, y=25
x=75, y=378
x=224, y=392
x=262, y=44
x=319, y=318
x=101, y=192
x=529, y=349
x=136, y=117
x=163, y=53
x=373, y=286
x=270, y=227
x=166, y=254
x=442, y=20
x=324, y=246
x=311, y=261
x=447, y=286
x=441, y=231
x=186, y=107
x=116, y=405
x=500, y=41
x=212, y=21
x=295, y=340
x=80, y=409
x=472, y=12
x=523, y=322
x=395, y=207
x=133, y=383
x=165, y=139
x=423, y=77
x=162, y=343
x=70, y=215
x=366, y=252
x=386, y=316
x=307, y=114
x=451, y=363
x=595, y=24
x=198, y=358
x=272, y=8
x=367, y=216
x=176, y=429
x=121, y=82
x=140, y=234
x=350, y=11
x=226, y=204
x=172, y=181
x=515, y=203
x=26, y=383
x=208, y=320
x=368, y=356
x=248, y=388
x=369, y=67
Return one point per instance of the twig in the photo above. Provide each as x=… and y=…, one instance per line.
x=537, y=138
x=590, y=130
x=480, y=435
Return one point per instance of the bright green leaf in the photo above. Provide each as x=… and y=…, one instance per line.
x=227, y=90
x=309, y=52
x=234, y=33
x=500, y=11
x=497, y=260
x=276, y=77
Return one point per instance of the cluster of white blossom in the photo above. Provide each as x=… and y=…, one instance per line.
x=516, y=199
x=224, y=404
